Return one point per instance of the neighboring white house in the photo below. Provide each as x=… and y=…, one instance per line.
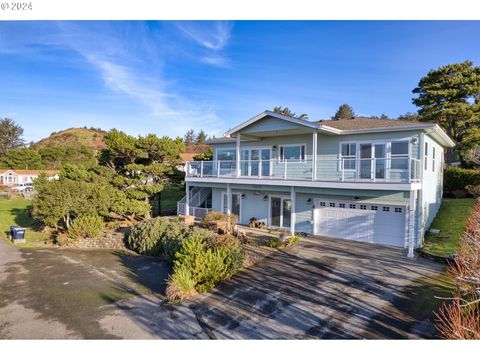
x=12, y=177
x=363, y=179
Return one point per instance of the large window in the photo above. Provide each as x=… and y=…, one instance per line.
x=292, y=153
x=226, y=154
x=349, y=152
x=399, y=154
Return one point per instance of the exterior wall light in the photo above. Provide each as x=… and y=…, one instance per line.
x=265, y=198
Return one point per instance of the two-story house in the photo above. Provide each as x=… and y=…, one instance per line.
x=364, y=179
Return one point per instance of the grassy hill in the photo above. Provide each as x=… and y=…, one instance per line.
x=92, y=138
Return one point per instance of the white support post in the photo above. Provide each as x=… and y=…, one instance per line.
x=293, y=199
x=187, y=199
x=201, y=169
x=284, y=168
x=314, y=156
x=229, y=199
x=238, y=155
x=411, y=222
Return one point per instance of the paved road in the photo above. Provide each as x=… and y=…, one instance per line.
x=321, y=288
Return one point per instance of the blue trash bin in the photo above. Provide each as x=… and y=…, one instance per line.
x=17, y=233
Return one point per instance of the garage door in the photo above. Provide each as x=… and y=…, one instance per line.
x=375, y=223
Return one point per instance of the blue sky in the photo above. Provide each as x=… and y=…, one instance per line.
x=166, y=77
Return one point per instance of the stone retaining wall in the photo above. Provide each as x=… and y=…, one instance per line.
x=106, y=240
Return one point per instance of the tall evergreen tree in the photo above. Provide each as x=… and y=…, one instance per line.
x=189, y=137
x=450, y=97
x=408, y=116
x=10, y=135
x=345, y=111
x=201, y=137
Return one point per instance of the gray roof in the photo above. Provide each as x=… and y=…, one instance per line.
x=360, y=123
x=220, y=140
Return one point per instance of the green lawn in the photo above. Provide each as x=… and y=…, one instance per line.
x=169, y=197
x=450, y=220
x=15, y=212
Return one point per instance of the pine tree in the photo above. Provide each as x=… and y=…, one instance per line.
x=287, y=112
x=345, y=111
x=450, y=97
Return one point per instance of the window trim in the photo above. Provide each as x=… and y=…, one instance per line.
x=433, y=158
x=395, y=156
x=425, y=156
x=388, y=148
x=348, y=157
x=281, y=152
x=260, y=148
x=223, y=205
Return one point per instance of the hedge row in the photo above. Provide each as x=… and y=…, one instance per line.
x=455, y=179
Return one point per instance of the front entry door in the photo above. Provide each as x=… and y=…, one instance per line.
x=280, y=212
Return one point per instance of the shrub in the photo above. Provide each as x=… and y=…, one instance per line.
x=86, y=226
x=177, y=233
x=456, y=179
x=473, y=190
x=460, y=318
x=160, y=236
x=207, y=265
x=181, y=284
x=219, y=216
x=274, y=243
x=293, y=240
x=145, y=236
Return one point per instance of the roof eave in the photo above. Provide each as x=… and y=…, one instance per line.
x=273, y=114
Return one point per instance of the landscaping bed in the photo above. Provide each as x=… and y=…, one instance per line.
x=451, y=220
x=204, y=254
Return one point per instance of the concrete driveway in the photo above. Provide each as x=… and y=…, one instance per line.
x=321, y=288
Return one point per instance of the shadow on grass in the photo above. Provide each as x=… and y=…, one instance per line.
x=23, y=218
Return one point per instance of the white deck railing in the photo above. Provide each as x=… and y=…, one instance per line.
x=393, y=169
x=197, y=212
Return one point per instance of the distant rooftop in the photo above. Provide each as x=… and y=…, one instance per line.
x=31, y=172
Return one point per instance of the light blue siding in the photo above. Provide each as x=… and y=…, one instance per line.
x=271, y=124
x=304, y=213
x=255, y=202
x=432, y=182
x=328, y=146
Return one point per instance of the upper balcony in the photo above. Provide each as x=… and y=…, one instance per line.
x=400, y=170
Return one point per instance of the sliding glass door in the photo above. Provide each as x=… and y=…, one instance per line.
x=280, y=212
x=255, y=162
x=372, y=161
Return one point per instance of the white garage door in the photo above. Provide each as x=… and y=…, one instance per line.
x=376, y=223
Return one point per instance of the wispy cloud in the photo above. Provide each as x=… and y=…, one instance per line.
x=130, y=60
x=172, y=110
x=216, y=61
x=212, y=36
